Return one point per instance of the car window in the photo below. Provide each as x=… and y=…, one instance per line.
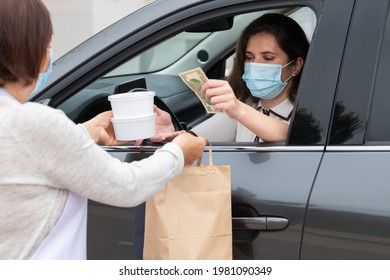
x=160, y=64
x=306, y=19
x=379, y=123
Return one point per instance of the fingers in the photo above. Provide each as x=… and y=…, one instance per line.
x=105, y=118
x=166, y=136
x=212, y=83
x=220, y=94
x=157, y=110
x=191, y=146
x=218, y=91
x=171, y=135
x=107, y=114
x=138, y=142
x=197, y=153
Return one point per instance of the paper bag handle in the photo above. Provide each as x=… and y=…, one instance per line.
x=210, y=155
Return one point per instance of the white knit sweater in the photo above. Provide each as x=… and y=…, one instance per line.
x=44, y=155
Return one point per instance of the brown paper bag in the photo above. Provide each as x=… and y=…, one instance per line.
x=190, y=219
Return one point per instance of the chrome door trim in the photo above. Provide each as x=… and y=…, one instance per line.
x=269, y=148
x=358, y=148
x=237, y=148
x=217, y=148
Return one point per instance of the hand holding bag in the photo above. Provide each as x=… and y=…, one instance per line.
x=191, y=217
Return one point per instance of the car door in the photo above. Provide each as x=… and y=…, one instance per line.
x=349, y=213
x=271, y=183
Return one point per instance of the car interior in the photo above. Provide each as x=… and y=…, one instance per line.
x=210, y=46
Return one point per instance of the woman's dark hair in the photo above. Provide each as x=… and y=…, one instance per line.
x=26, y=31
x=291, y=39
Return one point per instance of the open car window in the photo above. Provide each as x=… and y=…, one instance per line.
x=160, y=64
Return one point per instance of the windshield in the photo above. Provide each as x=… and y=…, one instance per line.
x=162, y=55
x=171, y=50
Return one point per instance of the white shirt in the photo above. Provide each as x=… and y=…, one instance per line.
x=222, y=128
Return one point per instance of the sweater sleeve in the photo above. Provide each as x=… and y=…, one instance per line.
x=69, y=159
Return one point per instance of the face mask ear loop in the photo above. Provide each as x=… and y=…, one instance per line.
x=288, y=79
x=288, y=63
x=292, y=75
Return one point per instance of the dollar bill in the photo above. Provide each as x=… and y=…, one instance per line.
x=194, y=79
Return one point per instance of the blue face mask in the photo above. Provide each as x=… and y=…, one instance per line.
x=264, y=80
x=42, y=78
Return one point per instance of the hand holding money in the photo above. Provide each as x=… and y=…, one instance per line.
x=194, y=79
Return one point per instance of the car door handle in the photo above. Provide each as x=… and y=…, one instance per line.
x=263, y=223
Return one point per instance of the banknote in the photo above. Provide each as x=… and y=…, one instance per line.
x=194, y=79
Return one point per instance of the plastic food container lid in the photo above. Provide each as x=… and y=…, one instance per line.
x=132, y=95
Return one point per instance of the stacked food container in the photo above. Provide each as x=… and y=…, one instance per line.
x=133, y=115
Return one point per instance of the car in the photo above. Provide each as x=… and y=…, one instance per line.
x=322, y=194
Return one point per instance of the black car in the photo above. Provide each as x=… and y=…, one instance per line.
x=322, y=194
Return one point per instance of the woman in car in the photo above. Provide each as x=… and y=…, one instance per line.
x=49, y=165
x=259, y=94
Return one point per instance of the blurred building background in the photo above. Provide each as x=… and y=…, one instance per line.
x=76, y=20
